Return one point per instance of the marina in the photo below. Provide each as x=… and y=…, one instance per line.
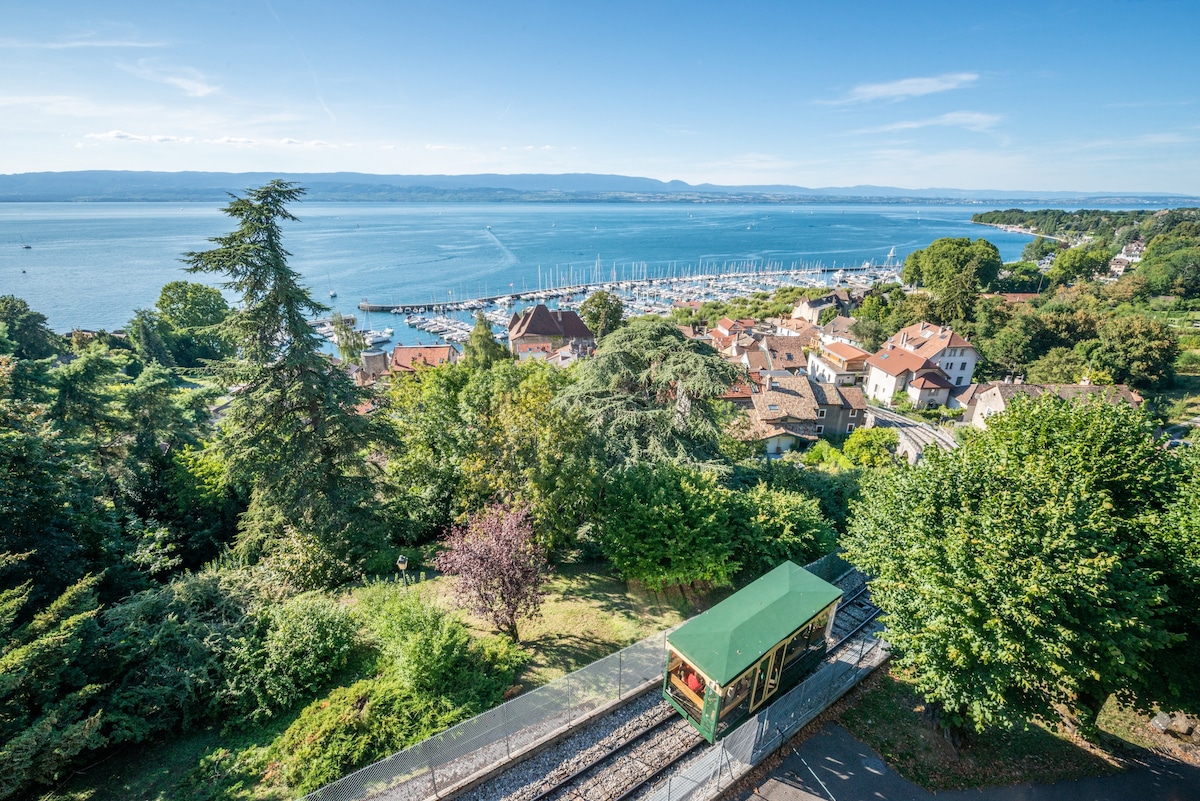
x=92, y=264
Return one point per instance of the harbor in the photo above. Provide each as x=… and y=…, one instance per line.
x=451, y=321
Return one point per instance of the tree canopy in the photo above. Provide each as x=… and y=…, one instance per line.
x=648, y=391
x=1015, y=573
x=293, y=434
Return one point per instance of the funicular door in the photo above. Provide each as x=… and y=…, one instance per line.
x=766, y=679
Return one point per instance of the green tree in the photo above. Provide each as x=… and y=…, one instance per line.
x=350, y=341
x=193, y=313
x=482, y=350
x=48, y=702
x=147, y=335
x=602, y=313
x=1058, y=366
x=954, y=270
x=872, y=447
x=293, y=434
x=1136, y=350
x=27, y=329
x=667, y=525
x=1079, y=263
x=1040, y=248
x=1013, y=572
x=782, y=525
x=648, y=391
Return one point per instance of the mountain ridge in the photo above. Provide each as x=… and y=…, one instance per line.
x=147, y=185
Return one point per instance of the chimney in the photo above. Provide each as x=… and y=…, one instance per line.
x=1019, y=379
x=1008, y=379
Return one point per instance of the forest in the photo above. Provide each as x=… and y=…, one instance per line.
x=196, y=516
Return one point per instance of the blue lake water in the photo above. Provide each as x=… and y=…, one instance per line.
x=89, y=265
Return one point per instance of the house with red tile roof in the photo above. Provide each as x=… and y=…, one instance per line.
x=951, y=353
x=891, y=369
x=407, y=358
x=534, y=329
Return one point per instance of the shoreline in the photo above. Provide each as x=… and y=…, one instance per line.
x=1017, y=229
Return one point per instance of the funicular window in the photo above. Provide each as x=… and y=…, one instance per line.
x=686, y=685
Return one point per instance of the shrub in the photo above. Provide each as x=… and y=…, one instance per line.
x=292, y=652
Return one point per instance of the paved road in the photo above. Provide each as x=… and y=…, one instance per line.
x=833, y=766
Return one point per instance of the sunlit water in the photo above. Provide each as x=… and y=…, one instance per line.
x=90, y=265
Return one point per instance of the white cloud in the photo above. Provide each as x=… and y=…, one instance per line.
x=971, y=120
x=113, y=136
x=124, y=136
x=190, y=81
x=908, y=87
x=237, y=141
x=312, y=143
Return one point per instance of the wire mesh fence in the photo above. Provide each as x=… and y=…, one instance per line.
x=430, y=768
x=732, y=758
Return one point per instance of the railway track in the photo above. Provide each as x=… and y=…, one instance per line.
x=625, y=757
x=624, y=770
x=918, y=435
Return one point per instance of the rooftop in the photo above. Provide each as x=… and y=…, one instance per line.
x=722, y=642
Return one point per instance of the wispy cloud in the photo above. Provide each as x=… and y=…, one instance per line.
x=971, y=120
x=237, y=141
x=190, y=81
x=311, y=143
x=123, y=136
x=907, y=87
x=75, y=43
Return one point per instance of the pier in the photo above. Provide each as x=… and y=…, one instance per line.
x=770, y=274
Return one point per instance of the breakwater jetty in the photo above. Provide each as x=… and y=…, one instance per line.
x=718, y=284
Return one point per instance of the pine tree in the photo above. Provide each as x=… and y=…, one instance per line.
x=293, y=436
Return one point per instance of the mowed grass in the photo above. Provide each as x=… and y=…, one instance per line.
x=892, y=718
x=589, y=612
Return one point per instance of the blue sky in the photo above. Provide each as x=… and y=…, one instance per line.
x=1083, y=96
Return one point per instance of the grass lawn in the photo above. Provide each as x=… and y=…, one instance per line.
x=891, y=718
x=589, y=612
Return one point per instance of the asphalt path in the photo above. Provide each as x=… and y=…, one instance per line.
x=833, y=766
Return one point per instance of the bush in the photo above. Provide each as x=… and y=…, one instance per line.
x=355, y=726
x=292, y=652
x=783, y=525
x=432, y=674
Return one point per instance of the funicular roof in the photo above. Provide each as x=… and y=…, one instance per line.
x=722, y=642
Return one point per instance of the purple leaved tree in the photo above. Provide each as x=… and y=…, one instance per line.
x=500, y=566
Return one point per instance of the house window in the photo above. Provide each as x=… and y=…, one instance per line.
x=958, y=381
x=820, y=413
x=849, y=427
x=963, y=366
x=854, y=412
x=774, y=407
x=820, y=429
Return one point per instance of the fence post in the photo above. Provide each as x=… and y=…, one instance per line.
x=429, y=766
x=504, y=717
x=620, y=670
x=569, y=718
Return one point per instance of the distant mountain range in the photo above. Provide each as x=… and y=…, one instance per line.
x=115, y=185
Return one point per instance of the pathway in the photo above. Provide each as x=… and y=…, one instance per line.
x=833, y=766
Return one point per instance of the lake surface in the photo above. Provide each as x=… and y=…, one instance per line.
x=90, y=265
